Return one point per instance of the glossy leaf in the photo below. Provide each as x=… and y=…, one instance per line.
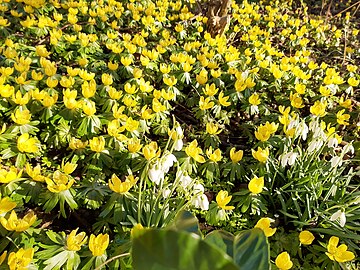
x=171, y=250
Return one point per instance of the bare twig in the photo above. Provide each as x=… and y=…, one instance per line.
x=112, y=259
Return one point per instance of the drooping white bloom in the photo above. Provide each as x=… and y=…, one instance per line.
x=315, y=145
x=178, y=145
x=201, y=202
x=336, y=161
x=185, y=181
x=302, y=130
x=333, y=142
x=340, y=216
x=168, y=162
x=348, y=148
x=288, y=158
x=198, y=189
x=166, y=192
x=156, y=174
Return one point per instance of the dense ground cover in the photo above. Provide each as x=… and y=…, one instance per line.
x=118, y=114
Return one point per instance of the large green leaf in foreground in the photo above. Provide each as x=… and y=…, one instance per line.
x=171, y=250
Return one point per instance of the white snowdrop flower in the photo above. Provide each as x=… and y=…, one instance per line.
x=315, y=145
x=348, y=148
x=185, y=181
x=198, y=189
x=201, y=202
x=178, y=145
x=284, y=159
x=340, y=216
x=179, y=132
x=168, y=162
x=292, y=158
x=288, y=158
x=254, y=109
x=221, y=214
x=333, y=142
x=166, y=192
x=156, y=174
x=302, y=130
x=336, y=161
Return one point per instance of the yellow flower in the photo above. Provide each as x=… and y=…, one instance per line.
x=151, y=150
x=210, y=90
x=21, y=259
x=134, y=145
x=170, y=81
x=338, y=253
x=192, y=150
x=341, y=118
x=97, y=144
x=126, y=61
x=98, y=244
x=205, y=104
x=296, y=100
x=121, y=187
x=254, y=99
x=319, y=108
x=113, y=66
x=21, y=117
x=76, y=144
x=223, y=100
x=114, y=94
x=222, y=199
x=262, y=133
x=353, y=82
x=261, y=154
x=7, y=90
x=20, y=99
x=3, y=257
x=27, y=144
x=6, y=205
x=264, y=224
x=13, y=223
x=214, y=156
x=256, y=185
x=59, y=182
x=88, y=89
x=75, y=241
x=283, y=261
x=212, y=128
x=89, y=107
x=306, y=238
x=48, y=100
x=10, y=175
x=236, y=156
x=106, y=79
x=35, y=173
x=343, y=103
x=68, y=167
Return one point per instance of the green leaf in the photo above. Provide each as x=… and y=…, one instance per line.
x=171, y=250
x=186, y=221
x=251, y=250
x=223, y=240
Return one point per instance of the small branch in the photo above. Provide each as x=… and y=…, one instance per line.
x=112, y=259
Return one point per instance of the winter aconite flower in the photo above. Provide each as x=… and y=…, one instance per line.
x=121, y=187
x=236, y=156
x=265, y=225
x=192, y=150
x=306, y=238
x=98, y=244
x=97, y=144
x=283, y=261
x=59, y=182
x=21, y=259
x=75, y=241
x=338, y=253
x=6, y=205
x=27, y=144
x=13, y=223
x=261, y=154
x=256, y=185
x=223, y=199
